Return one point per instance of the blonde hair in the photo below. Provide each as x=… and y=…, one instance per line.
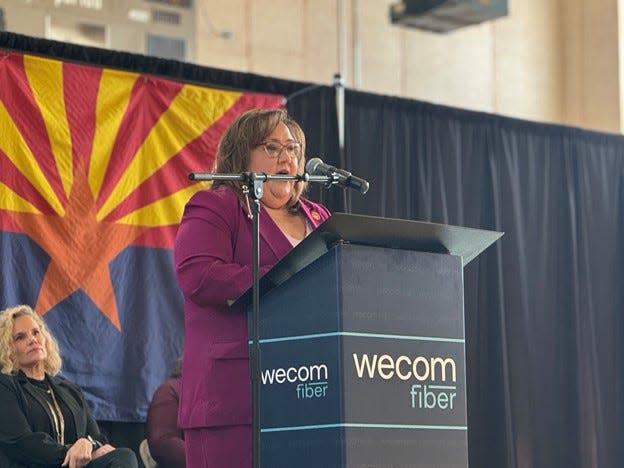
x=8, y=362
x=245, y=133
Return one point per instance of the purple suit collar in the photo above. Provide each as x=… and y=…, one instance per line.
x=273, y=235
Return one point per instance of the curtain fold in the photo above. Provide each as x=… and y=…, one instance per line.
x=543, y=305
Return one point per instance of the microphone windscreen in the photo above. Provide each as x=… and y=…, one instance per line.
x=312, y=165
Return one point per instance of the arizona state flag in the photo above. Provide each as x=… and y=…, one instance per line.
x=94, y=170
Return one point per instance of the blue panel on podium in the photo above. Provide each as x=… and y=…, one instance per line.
x=363, y=362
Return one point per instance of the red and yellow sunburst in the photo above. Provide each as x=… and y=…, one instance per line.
x=93, y=161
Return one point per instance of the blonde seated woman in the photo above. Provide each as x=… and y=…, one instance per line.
x=45, y=419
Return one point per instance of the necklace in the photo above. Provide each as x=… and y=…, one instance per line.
x=57, y=417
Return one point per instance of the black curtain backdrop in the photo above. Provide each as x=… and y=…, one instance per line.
x=544, y=326
x=544, y=305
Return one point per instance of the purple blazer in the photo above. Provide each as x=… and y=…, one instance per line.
x=213, y=265
x=164, y=438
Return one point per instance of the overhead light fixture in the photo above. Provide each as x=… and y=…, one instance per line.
x=445, y=15
x=140, y=16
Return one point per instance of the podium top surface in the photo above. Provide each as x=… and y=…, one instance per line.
x=391, y=233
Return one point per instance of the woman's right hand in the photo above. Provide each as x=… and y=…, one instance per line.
x=103, y=450
x=79, y=454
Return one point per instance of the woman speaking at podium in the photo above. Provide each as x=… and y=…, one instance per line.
x=213, y=256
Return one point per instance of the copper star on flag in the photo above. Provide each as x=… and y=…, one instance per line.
x=94, y=161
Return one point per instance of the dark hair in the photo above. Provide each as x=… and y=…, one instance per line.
x=245, y=133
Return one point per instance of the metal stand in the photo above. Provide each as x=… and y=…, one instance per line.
x=254, y=324
x=255, y=189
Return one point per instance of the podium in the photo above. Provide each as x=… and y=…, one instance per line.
x=362, y=346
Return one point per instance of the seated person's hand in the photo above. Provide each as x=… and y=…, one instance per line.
x=79, y=454
x=103, y=450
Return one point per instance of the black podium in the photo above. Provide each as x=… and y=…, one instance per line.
x=362, y=345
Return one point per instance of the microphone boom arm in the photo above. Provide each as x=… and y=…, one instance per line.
x=328, y=180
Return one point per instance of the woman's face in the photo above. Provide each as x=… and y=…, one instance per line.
x=29, y=344
x=276, y=193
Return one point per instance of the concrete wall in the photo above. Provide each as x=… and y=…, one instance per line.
x=548, y=60
x=591, y=71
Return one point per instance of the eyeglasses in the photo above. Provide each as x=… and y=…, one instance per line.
x=273, y=150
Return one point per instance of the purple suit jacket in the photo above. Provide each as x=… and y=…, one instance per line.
x=213, y=265
x=164, y=438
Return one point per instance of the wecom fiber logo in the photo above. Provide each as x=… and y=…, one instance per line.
x=311, y=381
x=436, y=377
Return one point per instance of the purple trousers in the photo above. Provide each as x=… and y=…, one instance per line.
x=218, y=447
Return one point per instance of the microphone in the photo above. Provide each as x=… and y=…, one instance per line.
x=316, y=166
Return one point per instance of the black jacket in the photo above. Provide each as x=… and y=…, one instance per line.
x=26, y=438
